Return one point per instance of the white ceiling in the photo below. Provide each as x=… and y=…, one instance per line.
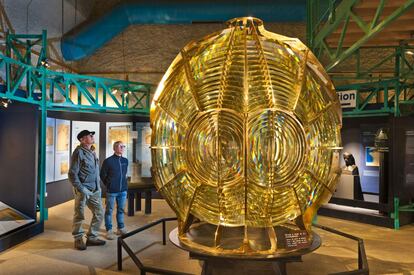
x=31, y=16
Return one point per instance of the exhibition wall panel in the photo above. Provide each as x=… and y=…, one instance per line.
x=19, y=125
x=403, y=159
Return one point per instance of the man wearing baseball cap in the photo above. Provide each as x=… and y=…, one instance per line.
x=84, y=176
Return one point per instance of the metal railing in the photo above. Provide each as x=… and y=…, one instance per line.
x=362, y=257
x=142, y=267
x=363, y=268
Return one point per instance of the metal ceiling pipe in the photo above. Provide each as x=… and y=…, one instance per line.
x=84, y=41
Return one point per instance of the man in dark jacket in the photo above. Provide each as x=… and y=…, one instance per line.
x=84, y=176
x=113, y=175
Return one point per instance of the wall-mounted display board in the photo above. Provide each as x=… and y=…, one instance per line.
x=143, y=149
x=78, y=126
x=50, y=149
x=62, y=131
x=57, y=149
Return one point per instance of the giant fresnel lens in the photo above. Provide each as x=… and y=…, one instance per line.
x=245, y=140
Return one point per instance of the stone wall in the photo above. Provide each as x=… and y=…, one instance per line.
x=144, y=52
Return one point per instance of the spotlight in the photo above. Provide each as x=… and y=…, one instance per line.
x=114, y=91
x=44, y=63
x=5, y=102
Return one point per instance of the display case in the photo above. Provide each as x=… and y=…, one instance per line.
x=19, y=133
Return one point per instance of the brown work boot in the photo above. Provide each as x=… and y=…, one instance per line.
x=79, y=244
x=94, y=242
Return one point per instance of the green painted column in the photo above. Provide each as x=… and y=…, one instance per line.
x=42, y=150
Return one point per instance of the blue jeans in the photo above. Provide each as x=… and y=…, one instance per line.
x=120, y=199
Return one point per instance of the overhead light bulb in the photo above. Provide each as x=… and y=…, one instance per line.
x=44, y=63
x=114, y=91
x=5, y=103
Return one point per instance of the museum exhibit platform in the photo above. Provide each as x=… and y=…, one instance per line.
x=213, y=263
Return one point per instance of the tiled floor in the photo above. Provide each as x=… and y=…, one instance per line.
x=389, y=251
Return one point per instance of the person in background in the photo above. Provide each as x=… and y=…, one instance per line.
x=84, y=176
x=113, y=175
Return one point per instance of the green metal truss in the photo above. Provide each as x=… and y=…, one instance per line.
x=398, y=62
x=72, y=92
x=325, y=16
x=25, y=80
x=381, y=98
x=21, y=47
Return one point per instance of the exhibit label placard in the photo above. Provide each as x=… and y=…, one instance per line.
x=297, y=239
x=347, y=98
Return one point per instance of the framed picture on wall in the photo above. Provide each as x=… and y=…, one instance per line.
x=62, y=149
x=371, y=156
x=50, y=149
x=143, y=149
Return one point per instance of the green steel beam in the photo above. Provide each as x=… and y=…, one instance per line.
x=42, y=153
x=397, y=209
x=378, y=13
x=396, y=213
x=361, y=24
x=342, y=37
x=364, y=114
